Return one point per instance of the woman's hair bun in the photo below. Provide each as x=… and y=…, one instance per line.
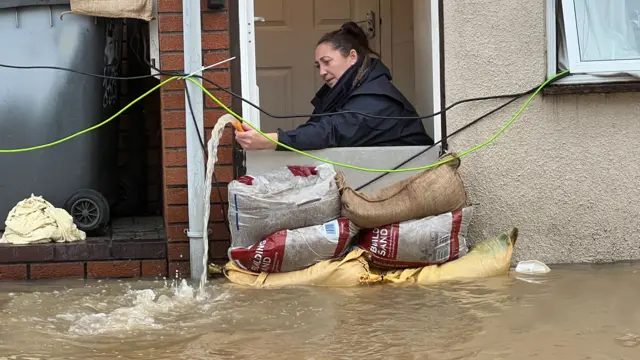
x=352, y=28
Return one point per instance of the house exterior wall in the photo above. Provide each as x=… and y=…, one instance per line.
x=564, y=172
x=215, y=47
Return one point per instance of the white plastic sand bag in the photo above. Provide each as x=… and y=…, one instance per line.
x=297, y=249
x=289, y=197
x=422, y=242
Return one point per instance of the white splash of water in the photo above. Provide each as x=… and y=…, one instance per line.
x=145, y=306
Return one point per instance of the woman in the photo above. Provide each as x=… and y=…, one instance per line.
x=354, y=81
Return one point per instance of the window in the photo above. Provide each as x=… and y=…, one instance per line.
x=599, y=40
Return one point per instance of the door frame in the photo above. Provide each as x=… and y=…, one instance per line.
x=247, y=51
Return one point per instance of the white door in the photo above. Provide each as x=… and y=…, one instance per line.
x=285, y=48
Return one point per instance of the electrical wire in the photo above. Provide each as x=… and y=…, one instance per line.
x=275, y=116
x=349, y=166
x=464, y=153
x=143, y=59
x=437, y=143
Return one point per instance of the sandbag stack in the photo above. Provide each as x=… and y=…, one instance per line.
x=293, y=218
x=287, y=219
x=419, y=221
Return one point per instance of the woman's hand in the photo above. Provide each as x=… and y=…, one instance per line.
x=250, y=139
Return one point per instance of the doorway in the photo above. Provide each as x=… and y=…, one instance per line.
x=277, y=40
x=286, y=33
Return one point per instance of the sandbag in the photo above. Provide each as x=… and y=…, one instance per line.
x=351, y=270
x=491, y=257
x=135, y=9
x=434, y=191
x=290, y=197
x=420, y=242
x=297, y=249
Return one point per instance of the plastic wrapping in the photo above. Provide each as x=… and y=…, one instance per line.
x=297, y=249
x=428, y=241
x=290, y=197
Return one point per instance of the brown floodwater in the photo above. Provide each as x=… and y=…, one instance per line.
x=574, y=312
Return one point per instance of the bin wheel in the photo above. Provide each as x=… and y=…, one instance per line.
x=89, y=209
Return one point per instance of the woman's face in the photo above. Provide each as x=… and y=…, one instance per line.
x=332, y=64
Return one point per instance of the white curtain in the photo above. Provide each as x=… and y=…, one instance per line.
x=607, y=30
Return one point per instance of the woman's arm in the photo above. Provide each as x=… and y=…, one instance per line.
x=250, y=139
x=322, y=134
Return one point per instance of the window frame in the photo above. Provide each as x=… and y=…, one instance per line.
x=609, y=73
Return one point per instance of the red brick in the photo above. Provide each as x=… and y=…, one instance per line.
x=170, y=23
x=173, y=101
x=113, y=269
x=176, y=196
x=57, y=271
x=219, y=232
x=220, y=78
x=178, y=157
x=215, y=21
x=174, y=120
x=220, y=95
x=212, y=41
x=171, y=42
x=13, y=272
x=178, y=85
x=211, y=58
x=174, y=138
x=179, y=269
x=154, y=268
x=175, y=157
x=180, y=196
x=169, y=6
x=224, y=173
x=172, y=62
x=176, y=233
x=177, y=214
x=211, y=117
x=178, y=251
x=218, y=249
x=175, y=176
x=180, y=213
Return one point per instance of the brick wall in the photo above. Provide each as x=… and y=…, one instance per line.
x=215, y=47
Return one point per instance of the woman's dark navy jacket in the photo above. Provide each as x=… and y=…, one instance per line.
x=373, y=94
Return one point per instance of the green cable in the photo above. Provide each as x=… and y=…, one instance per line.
x=466, y=152
x=420, y=168
x=11, y=151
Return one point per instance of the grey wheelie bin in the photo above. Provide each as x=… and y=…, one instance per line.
x=40, y=106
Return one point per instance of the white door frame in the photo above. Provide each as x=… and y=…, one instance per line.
x=249, y=83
